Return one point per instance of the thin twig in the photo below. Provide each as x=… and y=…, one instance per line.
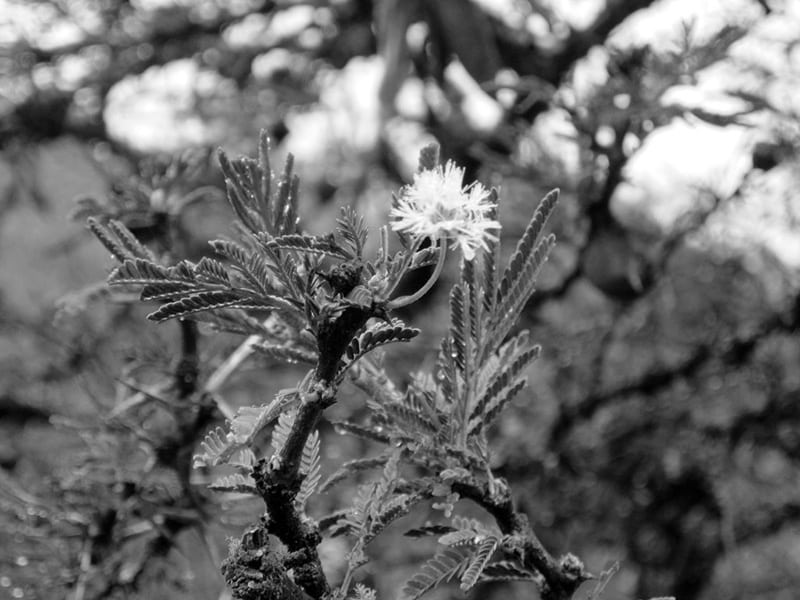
x=228, y=367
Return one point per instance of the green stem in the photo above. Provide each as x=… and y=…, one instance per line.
x=406, y=300
x=407, y=260
x=187, y=370
x=226, y=369
x=348, y=576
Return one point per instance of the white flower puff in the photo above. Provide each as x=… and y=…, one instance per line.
x=437, y=206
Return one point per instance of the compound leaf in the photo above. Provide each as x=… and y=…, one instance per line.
x=527, y=243
x=352, y=231
x=325, y=245
x=485, y=550
x=310, y=468
x=377, y=335
x=444, y=566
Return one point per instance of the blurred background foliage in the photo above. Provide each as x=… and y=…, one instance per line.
x=662, y=426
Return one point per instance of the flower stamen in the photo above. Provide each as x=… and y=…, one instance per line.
x=437, y=206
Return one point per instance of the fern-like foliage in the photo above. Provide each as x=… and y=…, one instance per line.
x=245, y=460
x=480, y=559
x=413, y=413
x=506, y=377
x=214, y=300
x=483, y=310
x=319, y=300
x=118, y=240
x=475, y=544
x=527, y=244
x=187, y=288
x=478, y=371
x=261, y=203
x=212, y=271
x=440, y=420
x=142, y=271
x=219, y=446
x=457, y=537
x=519, y=277
x=362, y=592
x=447, y=564
x=310, y=469
x=373, y=337
x=325, y=245
x=353, y=467
x=253, y=270
x=271, y=270
x=352, y=232
x=282, y=429
x=376, y=506
x=471, y=530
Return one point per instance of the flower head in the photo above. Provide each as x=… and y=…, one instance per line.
x=437, y=206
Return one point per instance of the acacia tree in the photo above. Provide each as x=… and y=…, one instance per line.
x=605, y=386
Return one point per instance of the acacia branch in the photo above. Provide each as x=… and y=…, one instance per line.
x=255, y=570
x=561, y=577
x=553, y=65
x=278, y=482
